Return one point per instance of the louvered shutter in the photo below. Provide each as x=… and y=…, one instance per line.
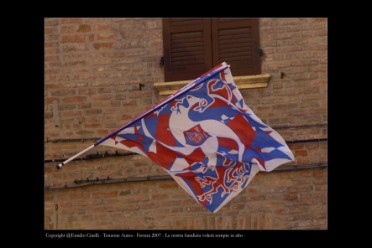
x=187, y=47
x=236, y=41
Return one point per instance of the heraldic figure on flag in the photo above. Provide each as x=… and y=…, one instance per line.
x=205, y=137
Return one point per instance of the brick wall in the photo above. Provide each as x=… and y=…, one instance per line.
x=93, y=71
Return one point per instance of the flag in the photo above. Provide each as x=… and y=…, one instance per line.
x=206, y=138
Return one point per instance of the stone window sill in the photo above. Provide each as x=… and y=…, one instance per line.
x=243, y=82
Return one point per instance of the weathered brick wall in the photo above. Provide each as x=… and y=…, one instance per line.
x=281, y=200
x=93, y=68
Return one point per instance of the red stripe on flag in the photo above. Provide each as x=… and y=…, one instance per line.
x=163, y=134
x=163, y=156
x=243, y=129
x=227, y=142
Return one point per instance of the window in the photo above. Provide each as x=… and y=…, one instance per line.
x=194, y=45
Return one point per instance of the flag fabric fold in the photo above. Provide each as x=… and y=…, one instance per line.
x=206, y=138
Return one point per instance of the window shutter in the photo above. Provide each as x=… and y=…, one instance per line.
x=187, y=47
x=236, y=41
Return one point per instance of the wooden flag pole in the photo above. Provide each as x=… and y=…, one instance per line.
x=75, y=156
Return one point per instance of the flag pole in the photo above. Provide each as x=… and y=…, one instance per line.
x=75, y=156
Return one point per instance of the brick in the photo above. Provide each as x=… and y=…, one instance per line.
x=102, y=27
x=49, y=100
x=68, y=29
x=75, y=99
x=87, y=91
x=105, y=194
x=71, y=20
x=302, y=153
x=75, y=63
x=93, y=111
x=84, y=28
x=159, y=196
x=101, y=97
x=168, y=185
x=69, y=113
x=73, y=47
x=125, y=192
x=92, y=125
x=103, y=45
x=84, y=105
x=66, y=106
x=115, y=104
x=104, y=90
x=64, y=92
x=256, y=197
x=73, y=38
x=106, y=36
x=289, y=21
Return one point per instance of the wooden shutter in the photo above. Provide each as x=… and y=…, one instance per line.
x=236, y=41
x=187, y=47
